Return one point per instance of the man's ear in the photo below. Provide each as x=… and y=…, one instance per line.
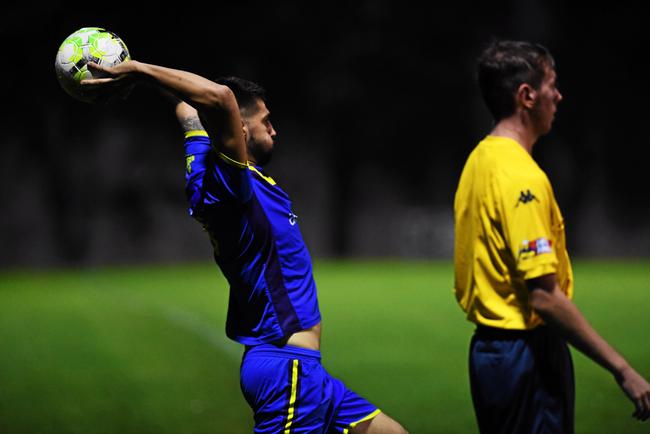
x=526, y=96
x=244, y=129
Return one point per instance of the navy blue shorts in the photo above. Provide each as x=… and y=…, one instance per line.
x=522, y=381
x=290, y=392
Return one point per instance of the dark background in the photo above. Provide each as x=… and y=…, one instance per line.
x=375, y=106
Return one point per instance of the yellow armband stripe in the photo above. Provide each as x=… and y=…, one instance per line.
x=196, y=133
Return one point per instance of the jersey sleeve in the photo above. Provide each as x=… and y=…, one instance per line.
x=526, y=207
x=212, y=178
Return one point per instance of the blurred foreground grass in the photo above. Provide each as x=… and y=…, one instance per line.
x=143, y=349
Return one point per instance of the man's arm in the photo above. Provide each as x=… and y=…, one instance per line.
x=563, y=315
x=188, y=117
x=215, y=103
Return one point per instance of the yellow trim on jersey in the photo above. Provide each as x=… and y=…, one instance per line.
x=292, y=399
x=353, y=424
x=224, y=157
x=264, y=177
x=232, y=162
x=195, y=133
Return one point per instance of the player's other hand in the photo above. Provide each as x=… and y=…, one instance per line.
x=125, y=71
x=111, y=83
x=638, y=390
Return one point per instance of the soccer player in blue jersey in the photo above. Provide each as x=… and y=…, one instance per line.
x=513, y=274
x=273, y=307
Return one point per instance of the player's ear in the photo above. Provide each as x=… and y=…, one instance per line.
x=244, y=129
x=526, y=95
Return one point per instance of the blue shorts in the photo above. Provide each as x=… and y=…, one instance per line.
x=522, y=381
x=290, y=392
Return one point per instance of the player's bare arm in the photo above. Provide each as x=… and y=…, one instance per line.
x=216, y=104
x=562, y=314
x=188, y=117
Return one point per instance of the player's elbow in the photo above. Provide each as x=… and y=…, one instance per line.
x=546, y=304
x=540, y=300
x=217, y=96
x=542, y=292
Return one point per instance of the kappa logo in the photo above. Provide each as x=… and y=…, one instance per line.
x=526, y=197
x=293, y=219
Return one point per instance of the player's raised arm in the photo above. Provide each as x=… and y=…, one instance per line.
x=188, y=117
x=215, y=104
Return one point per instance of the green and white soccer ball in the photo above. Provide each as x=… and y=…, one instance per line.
x=85, y=45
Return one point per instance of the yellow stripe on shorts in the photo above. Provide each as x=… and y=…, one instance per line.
x=353, y=424
x=292, y=399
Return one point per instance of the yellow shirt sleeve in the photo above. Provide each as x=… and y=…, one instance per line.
x=526, y=207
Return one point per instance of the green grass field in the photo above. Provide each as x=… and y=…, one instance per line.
x=143, y=350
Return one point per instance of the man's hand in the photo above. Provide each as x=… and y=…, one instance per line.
x=111, y=83
x=638, y=390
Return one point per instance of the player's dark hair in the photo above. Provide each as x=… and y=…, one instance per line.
x=246, y=92
x=503, y=66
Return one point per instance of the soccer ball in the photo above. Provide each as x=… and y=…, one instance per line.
x=85, y=45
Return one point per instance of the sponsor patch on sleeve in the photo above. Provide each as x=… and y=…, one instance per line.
x=536, y=247
x=188, y=163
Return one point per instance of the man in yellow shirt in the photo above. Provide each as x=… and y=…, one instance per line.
x=513, y=276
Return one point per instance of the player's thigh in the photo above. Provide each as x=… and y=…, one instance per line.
x=380, y=424
x=285, y=393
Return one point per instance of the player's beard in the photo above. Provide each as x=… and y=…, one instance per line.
x=259, y=152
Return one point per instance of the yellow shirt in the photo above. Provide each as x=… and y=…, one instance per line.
x=508, y=228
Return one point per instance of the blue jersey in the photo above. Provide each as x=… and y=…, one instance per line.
x=257, y=244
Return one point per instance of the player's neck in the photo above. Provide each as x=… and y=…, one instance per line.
x=516, y=129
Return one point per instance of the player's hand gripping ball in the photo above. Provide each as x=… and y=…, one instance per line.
x=89, y=44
